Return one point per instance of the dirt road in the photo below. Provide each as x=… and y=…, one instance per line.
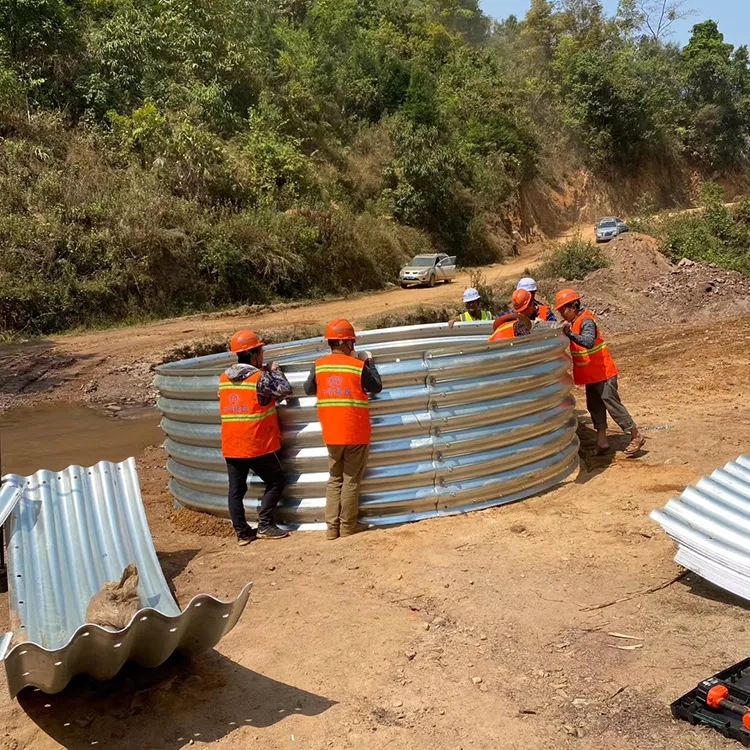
x=467, y=632
x=114, y=365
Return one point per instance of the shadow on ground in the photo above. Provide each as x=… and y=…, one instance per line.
x=166, y=707
x=593, y=464
x=173, y=563
x=707, y=590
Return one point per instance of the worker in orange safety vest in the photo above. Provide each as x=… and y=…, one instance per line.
x=540, y=311
x=250, y=433
x=510, y=327
x=594, y=368
x=342, y=381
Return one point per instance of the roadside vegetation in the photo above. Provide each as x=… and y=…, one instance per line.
x=716, y=233
x=574, y=259
x=161, y=158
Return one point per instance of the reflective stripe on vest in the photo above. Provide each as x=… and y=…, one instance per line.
x=343, y=405
x=248, y=430
x=505, y=331
x=593, y=365
x=466, y=316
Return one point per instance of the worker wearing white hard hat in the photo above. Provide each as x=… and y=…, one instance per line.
x=540, y=311
x=473, y=314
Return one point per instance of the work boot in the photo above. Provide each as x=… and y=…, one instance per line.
x=332, y=532
x=245, y=537
x=356, y=529
x=272, y=532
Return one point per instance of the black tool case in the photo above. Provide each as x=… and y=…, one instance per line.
x=692, y=706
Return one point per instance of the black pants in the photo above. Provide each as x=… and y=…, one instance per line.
x=268, y=468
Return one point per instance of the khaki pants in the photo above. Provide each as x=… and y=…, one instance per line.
x=346, y=467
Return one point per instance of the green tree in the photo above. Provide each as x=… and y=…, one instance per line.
x=716, y=131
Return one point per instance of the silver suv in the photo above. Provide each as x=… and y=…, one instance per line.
x=609, y=228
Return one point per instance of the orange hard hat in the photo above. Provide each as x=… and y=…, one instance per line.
x=244, y=341
x=565, y=297
x=522, y=300
x=340, y=330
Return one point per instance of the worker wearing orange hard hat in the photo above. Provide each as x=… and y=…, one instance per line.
x=594, y=368
x=250, y=433
x=538, y=311
x=342, y=381
x=510, y=327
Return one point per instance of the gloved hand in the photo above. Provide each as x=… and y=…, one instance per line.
x=364, y=356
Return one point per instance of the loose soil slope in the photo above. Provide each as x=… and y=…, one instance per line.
x=642, y=289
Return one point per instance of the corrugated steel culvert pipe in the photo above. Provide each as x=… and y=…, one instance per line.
x=460, y=425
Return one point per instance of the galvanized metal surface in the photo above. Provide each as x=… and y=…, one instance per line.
x=69, y=533
x=711, y=524
x=461, y=424
x=10, y=494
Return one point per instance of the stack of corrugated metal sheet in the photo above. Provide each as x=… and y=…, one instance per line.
x=711, y=524
x=68, y=533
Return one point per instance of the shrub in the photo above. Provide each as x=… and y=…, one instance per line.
x=574, y=259
x=479, y=281
x=717, y=234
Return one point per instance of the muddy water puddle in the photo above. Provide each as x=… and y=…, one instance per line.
x=53, y=436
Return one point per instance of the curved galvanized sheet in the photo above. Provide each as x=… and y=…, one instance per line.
x=68, y=533
x=711, y=524
x=461, y=424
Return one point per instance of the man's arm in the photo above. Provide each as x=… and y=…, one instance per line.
x=311, y=385
x=551, y=315
x=272, y=386
x=587, y=337
x=371, y=382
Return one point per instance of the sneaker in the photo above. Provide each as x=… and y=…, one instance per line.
x=272, y=532
x=245, y=537
x=358, y=527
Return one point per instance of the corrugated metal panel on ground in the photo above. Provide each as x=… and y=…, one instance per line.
x=711, y=524
x=461, y=424
x=68, y=533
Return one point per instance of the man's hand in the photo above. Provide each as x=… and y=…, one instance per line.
x=364, y=356
x=566, y=328
x=451, y=323
x=273, y=366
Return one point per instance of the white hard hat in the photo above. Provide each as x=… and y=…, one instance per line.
x=528, y=284
x=471, y=295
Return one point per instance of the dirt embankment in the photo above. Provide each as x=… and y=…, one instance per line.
x=642, y=290
x=639, y=290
